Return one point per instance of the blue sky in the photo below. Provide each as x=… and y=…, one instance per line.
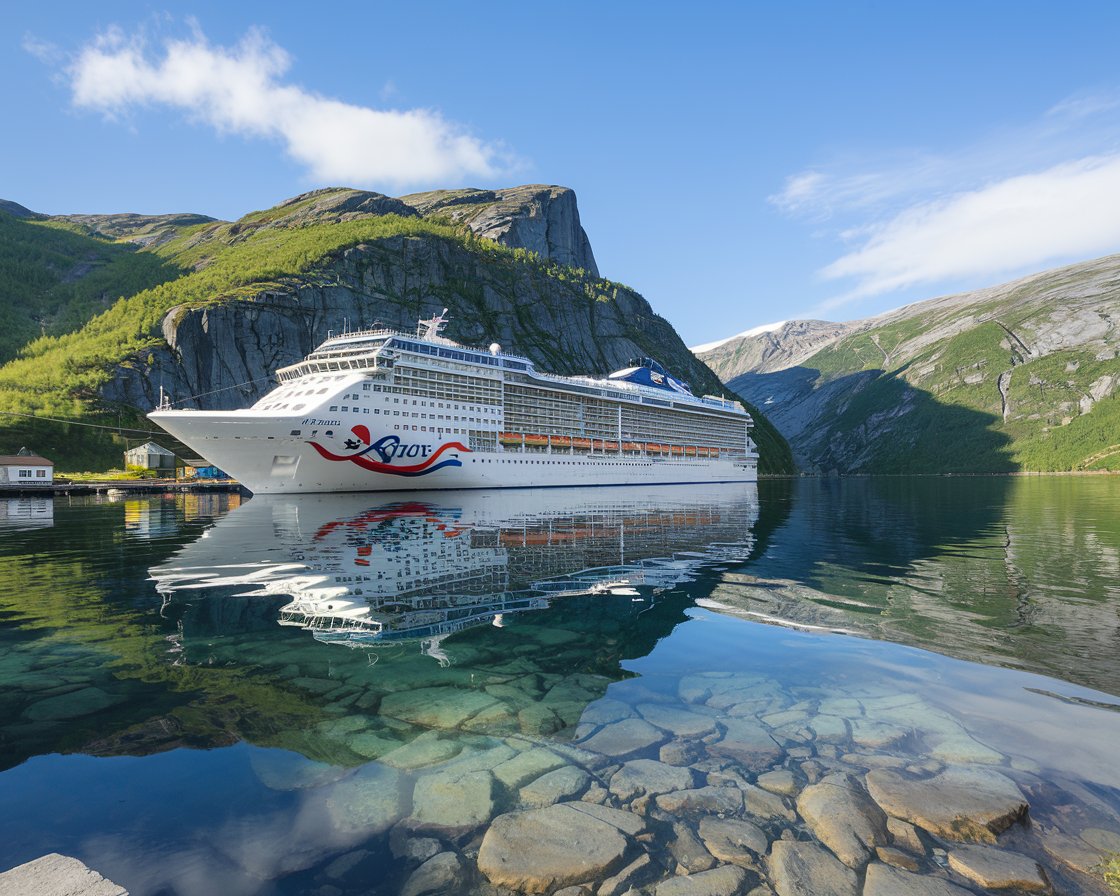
x=736, y=163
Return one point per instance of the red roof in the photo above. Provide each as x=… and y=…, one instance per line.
x=31, y=460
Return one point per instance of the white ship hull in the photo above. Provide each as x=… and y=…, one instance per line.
x=254, y=448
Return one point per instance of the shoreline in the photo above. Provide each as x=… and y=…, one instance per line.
x=103, y=486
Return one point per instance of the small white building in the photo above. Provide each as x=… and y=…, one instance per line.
x=150, y=456
x=25, y=469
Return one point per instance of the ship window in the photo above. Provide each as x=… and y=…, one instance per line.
x=365, y=387
x=294, y=432
x=365, y=411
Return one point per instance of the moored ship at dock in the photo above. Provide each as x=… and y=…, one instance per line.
x=381, y=410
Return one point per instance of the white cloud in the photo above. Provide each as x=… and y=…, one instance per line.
x=1013, y=200
x=1066, y=211
x=240, y=90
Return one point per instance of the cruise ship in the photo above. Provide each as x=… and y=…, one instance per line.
x=382, y=410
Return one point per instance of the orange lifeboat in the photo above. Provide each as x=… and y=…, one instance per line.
x=561, y=442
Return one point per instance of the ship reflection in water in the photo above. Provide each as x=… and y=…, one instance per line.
x=366, y=572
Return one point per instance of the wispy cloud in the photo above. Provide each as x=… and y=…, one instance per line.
x=241, y=90
x=1021, y=198
x=1066, y=211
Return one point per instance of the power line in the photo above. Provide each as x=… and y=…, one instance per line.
x=146, y=432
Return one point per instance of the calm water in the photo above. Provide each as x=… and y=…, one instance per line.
x=201, y=697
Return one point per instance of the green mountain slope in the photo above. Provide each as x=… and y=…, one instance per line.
x=261, y=292
x=1023, y=376
x=55, y=276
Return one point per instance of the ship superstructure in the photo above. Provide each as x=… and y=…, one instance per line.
x=383, y=410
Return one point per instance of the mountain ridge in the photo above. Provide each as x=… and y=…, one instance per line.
x=243, y=298
x=1019, y=376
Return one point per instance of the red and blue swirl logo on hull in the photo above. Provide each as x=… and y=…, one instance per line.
x=388, y=448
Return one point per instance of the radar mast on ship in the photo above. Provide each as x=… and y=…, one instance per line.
x=432, y=326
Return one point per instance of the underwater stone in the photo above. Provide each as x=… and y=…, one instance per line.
x=723, y=881
x=965, y=750
x=703, y=799
x=452, y=805
x=957, y=804
x=678, y=722
x=426, y=749
x=748, y=743
x=733, y=840
x=688, y=851
x=997, y=869
x=844, y=818
x=633, y=875
x=779, y=781
x=563, y=783
x=443, y=873
x=540, y=850
x=883, y=880
x=371, y=800
x=525, y=767
x=438, y=707
x=799, y=868
x=624, y=739
x=641, y=777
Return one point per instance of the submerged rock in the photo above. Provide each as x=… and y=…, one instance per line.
x=370, y=801
x=702, y=799
x=726, y=880
x=441, y=874
x=624, y=739
x=677, y=721
x=806, y=869
x=563, y=783
x=437, y=707
x=540, y=850
x=687, y=850
x=957, y=804
x=642, y=777
x=734, y=840
x=883, y=880
x=748, y=743
x=997, y=869
x=451, y=804
x=844, y=818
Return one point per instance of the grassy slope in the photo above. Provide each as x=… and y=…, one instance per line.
x=54, y=277
x=1044, y=430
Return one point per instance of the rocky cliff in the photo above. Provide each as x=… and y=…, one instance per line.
x=542, y=219
x=1022, y=376
x=512, y=266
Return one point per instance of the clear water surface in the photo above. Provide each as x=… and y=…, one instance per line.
x=203, y=694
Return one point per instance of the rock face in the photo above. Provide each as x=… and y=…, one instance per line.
x=1014, y=369
x=224, y=354
x=542, y=219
